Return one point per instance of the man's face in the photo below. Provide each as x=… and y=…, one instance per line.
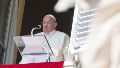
x=48, y=24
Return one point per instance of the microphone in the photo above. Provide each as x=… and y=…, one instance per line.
x=37, y=27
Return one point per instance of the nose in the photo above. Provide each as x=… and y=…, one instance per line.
x=45, y=25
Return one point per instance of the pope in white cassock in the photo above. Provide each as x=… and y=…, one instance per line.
x=58, y=41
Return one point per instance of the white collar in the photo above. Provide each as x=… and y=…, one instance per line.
x=50, y=34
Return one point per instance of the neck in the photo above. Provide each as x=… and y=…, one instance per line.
x=47, y=33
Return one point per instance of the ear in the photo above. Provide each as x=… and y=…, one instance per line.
x=55, y=24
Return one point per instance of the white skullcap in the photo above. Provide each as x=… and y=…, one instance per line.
x=51, y=16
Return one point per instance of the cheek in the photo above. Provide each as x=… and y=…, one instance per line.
x=43, y=25
x=51, y=27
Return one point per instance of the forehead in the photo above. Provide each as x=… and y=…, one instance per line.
x=47, y=18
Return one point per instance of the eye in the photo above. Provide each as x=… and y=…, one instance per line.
x=43, y=22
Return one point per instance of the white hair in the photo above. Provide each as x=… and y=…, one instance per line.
x=51, y=16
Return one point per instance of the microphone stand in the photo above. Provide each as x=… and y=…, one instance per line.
x=38, y=27
x=50, y=49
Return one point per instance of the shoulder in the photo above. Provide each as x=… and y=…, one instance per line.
x=61, y=33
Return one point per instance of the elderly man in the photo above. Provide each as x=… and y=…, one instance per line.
x=58, y=40
x=52, y=40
